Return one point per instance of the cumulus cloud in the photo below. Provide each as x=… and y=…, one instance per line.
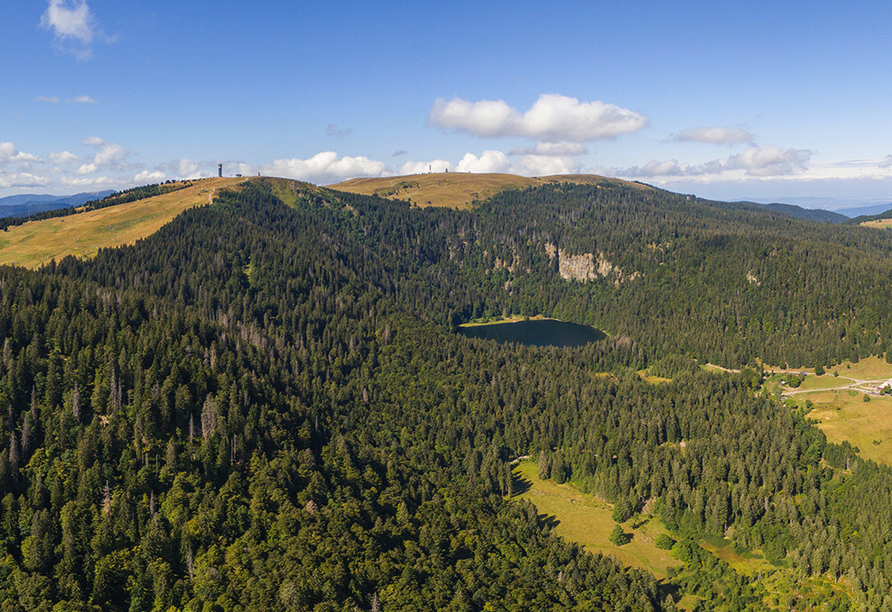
x=325, y=167
x=22, y=179
x=560, y=149
x=183, y=168
x=149, y=177
x=653, y=168
x=553, y=118
x=109, y=155
x=754, y=162
x=489, y=161
x=105, y=182
x=50, y=99
x=496, y=162
x=716, y=135
x=544, y=165
x=10, y=154
x=421, y=167
x=65, y=157
x=399, y=152
x=81, y=100
x=771, y=161
x=73, y=26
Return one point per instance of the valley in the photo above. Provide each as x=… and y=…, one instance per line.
x=250, y=392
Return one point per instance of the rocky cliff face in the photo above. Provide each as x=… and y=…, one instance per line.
x=576, y=267
x=585, y=267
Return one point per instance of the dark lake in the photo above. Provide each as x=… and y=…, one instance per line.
x=539, y=332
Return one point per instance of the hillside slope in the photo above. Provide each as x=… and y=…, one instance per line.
x=37, y=242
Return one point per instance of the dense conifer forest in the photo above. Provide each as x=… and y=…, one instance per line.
x=265, y=406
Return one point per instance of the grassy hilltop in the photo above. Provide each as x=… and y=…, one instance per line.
x=457, y=189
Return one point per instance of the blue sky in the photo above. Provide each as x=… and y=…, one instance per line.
x=761, y=100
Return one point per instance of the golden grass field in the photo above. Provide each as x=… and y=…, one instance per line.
x=587, y=521
x=38, y=242
x=844, y=415
x=458, y=189
x=879, y=224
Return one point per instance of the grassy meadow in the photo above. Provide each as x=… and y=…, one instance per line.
x=82, y=235
x=587, y=521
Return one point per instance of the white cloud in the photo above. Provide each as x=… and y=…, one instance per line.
x=489, y=161
x=552, y=118
x=22, y=179
x=544, y=165
x=183, y=168
x=149, y=177
x=94, y=181
x=771, y=161
x=754, y=162
x=81, y=100
x=654, y=168
x=421, y=167
x=561, y=149
x=65, y=157
x=50, y=99
x=716, y=135
x=73, y=25
x=10, y=154
x=323, y=168
x=485, y=118
x=496, y=162
x=109, y=155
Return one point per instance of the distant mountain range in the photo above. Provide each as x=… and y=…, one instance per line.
x=877, y=210
x=29, y=204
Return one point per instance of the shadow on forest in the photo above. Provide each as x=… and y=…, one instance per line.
x=664, y=588
x=549, y=519
x=519, y=484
